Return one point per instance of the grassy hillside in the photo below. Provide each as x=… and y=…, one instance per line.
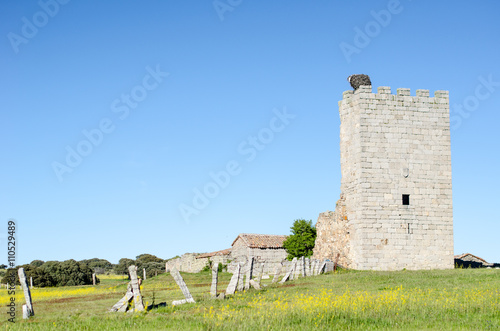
x=450, y=299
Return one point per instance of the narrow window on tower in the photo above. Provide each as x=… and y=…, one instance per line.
x=406, y=199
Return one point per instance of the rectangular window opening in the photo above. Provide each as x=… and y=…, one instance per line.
x=406, y=199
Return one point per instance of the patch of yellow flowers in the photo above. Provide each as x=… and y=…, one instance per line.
x=49, y=293
x=324, y=304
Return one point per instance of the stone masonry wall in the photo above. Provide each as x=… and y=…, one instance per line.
x=239, y=251
x=272, y=257
x=187, y=263
x=332, y=230
x=394, y=145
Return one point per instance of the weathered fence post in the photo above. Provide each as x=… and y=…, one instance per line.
x=215, y=276
x=249, y=273
x=322, y=267
x=277, y=272
x=180, y=281
x=303, y=266
x=139, y=305
x=255, y=285
x=28, y=307
x=308, y=267
x=261, y=272
x=295, y=268
x=143, y=273
x=122, y=305
x=336, y=262
x=314, y=267
x=241, y=285
x=26, y=313
x=289, y=274
x=231, y=288
x=93, y=278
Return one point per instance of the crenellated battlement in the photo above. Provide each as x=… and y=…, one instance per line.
x=384, y=99
x=400, y=92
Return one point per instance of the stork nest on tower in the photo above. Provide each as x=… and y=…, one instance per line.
x=357, y=80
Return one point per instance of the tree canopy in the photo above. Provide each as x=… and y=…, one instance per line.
x=122, y=267
x=301, y=241
x=100, y=266
x=54, y=273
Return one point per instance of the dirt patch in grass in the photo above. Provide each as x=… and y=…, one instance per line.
x=293, y=285
x=86, y=298
x=200, y=285
x=289, y=285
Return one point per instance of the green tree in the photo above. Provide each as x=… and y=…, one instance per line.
x=145, y=258
x=301, y=241
x=71, y=273
x=41, y=278
x=153, y=268
x=55, y=273
x=99, y=266
x=122, y=267
x=10, y=274
x=68, y=273
x=37, y=263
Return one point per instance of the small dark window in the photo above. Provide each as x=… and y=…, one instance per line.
x=406, y=199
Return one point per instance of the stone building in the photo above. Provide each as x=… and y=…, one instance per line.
x=263, y=247
x=467, y=260
x=395, y=207
x=195, y=262
x=186, y=263
x=215, y=257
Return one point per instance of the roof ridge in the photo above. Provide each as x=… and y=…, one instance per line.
x=215, y=253
x=258, y=240
x=261, y=234
x=464, y=254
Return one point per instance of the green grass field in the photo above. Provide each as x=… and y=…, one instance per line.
x=441, y=300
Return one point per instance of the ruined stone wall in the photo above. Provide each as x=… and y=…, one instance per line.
x=272, y=257
x=187, y=263
x=333, y=235
x=390, y=146
x=220, y=259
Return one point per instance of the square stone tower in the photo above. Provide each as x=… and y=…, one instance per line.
x=395, y=209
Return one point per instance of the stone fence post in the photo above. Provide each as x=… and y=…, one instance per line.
x=28, y=307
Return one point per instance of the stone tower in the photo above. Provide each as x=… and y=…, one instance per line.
x=395, y=209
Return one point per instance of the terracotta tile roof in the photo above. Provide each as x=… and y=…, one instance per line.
x=222, y=252
x=261, y=240
x=461, y=256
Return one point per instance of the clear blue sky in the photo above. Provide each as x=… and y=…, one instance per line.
x=157, y=95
